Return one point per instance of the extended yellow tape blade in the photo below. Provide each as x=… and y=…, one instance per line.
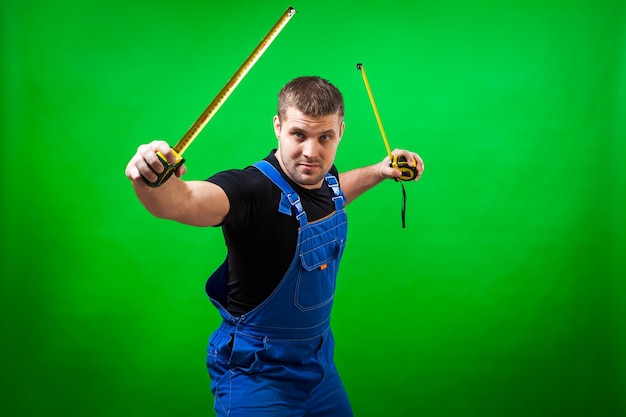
x=371, y=96
x=221, y=97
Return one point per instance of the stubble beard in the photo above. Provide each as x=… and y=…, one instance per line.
x=298, y=177
x=304, y=179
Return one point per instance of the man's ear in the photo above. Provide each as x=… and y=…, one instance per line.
x=277, y=125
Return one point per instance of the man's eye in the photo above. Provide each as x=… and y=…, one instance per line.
x=299, y=135
x=324, y=138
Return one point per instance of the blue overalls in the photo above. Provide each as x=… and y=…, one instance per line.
x=277, y=359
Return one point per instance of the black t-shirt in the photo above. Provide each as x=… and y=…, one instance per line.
x=261, y=241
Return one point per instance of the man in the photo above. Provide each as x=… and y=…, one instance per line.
x=285, y=227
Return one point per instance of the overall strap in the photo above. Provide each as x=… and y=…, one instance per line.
x=289, y=197
x=338, y=197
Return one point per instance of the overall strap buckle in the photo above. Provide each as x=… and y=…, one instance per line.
x=338, y=196
x=289, y=197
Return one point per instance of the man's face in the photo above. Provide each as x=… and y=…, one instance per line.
x=307, y=145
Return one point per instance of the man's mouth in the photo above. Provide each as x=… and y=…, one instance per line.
x=309, y=166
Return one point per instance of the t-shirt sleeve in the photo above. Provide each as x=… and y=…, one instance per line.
x=244, y=189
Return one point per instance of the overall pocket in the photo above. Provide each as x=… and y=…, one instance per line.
x=233, y=350
x=315, y=286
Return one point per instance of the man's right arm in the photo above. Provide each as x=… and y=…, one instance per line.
x=197, y=203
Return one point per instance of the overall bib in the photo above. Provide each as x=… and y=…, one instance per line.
x=277, y=359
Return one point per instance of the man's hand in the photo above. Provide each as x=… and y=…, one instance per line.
x=386, y=171
x=145, y=163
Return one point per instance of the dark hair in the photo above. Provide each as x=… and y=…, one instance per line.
x=313, y=96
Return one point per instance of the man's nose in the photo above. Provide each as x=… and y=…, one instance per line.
x=310, y=148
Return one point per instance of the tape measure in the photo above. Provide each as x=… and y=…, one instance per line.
x=409, y=171
x=217, y=102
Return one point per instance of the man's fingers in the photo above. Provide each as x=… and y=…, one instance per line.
x=145, y=170
x=149, y=155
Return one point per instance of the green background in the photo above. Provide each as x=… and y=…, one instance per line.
x=505, y=294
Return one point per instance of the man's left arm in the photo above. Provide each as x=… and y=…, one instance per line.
x=359, y=180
